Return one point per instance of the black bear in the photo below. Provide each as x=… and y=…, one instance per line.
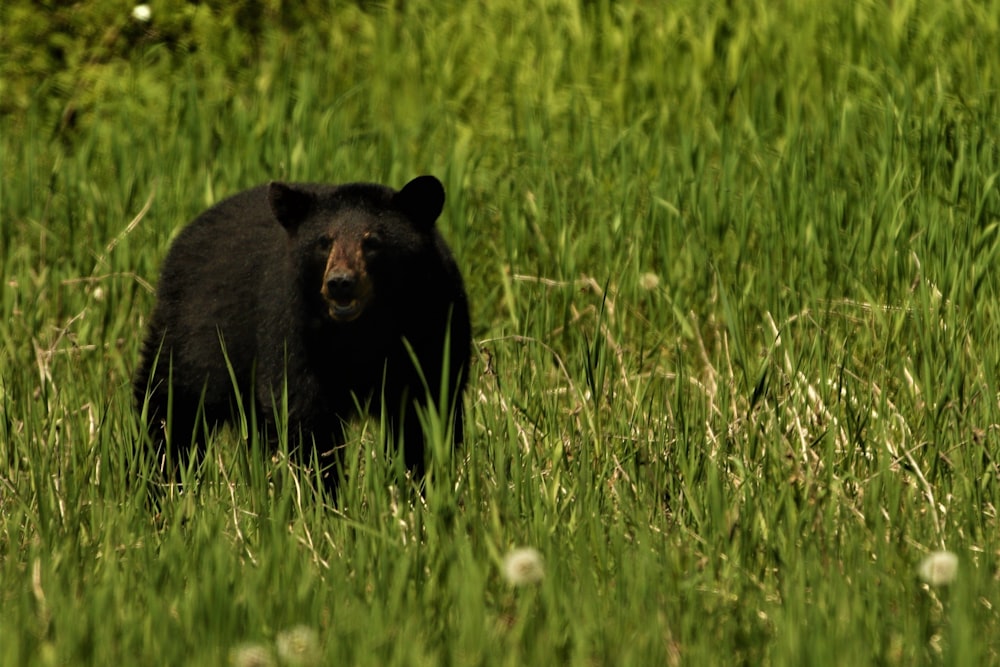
x=343, y=296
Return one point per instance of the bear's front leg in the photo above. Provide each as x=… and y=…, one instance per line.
x=414, y=436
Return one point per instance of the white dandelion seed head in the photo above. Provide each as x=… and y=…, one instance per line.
x=142, y=13
x=939, y=568
x=649, y=281
x=299, y=646
x=523, y=566
x=251, y=655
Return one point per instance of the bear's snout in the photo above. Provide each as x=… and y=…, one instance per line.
x=341, y=286
x=346, y=294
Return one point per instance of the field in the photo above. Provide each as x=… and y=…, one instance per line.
x=736, y=311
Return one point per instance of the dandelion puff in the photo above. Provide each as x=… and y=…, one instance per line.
x=649, y=281
x=939, y=568
x=251, y=655
x=299, y=646
x=142, y=13
x=523, y=566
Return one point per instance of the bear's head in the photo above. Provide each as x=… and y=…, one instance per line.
x=354, y=241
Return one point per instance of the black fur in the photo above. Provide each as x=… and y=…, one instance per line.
x=313, y=287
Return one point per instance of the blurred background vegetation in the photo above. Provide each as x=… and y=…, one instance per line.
x=71, y=52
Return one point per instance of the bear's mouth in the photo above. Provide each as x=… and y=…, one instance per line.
x=344, y=311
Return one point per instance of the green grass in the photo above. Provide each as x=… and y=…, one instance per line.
x=737, y=326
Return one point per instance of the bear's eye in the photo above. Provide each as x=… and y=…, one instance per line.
x=371, y=243
x=324, y=243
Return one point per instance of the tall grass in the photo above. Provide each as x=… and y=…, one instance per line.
x=735, y=374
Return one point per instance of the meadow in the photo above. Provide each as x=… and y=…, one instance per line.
x=736, y=371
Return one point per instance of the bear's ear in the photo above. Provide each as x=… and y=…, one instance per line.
x=289, y=205
x=422, y=200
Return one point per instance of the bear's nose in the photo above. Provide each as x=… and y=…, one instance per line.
x=341, y=286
